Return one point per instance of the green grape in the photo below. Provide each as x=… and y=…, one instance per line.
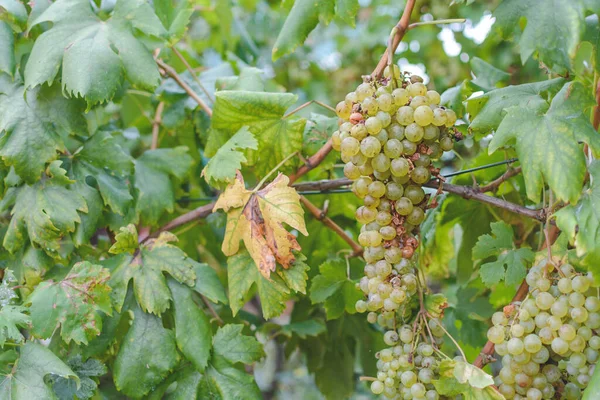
x=384, y=118
x=418, y=101
x=366, y=169
x=343, y=109
x=382, y=136
x=431, y=132
x=380, y=163
x=401, y=180
x=420, y=175
x=416, y=216
x=414, y=132
x=393, y=255
x=435, y=151
x=369, y=105
x=351, y=97
x=393, y=148
x=415, y=193
x=336, y=141
x=565, y=286
x=384, y=218
x=350, y=146
x=446, y=143
x=384, y=101
x=580, y=284
x=370, y=201
x=359, y=131
x=387, y=232
x=410, y=148
x=373, y=125
x=382, y=176
x=363, y=91
x=404, y=206
x=400, y=96
x=450, y=117
x=423, y=161
x=361, y=306
x=496, y=334
x=439, y=116
x=423, y=115
x=394, y=191
x=405, y=115
x=351, y=171
x=399, y=167
x=515, y=346
x=377, y=189
x=532, y=343
x=396, y=132
x=433, y=97
x=417, y=89
x=370, y=147
x=560, y=346
x=395, y=70
x=377, y=387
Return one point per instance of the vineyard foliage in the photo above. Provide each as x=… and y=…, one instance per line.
x=177, y=220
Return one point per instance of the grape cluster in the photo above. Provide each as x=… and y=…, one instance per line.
x=390, y=132
x=549, y=343
x=406, y=370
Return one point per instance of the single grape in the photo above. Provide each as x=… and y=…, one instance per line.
x=414, y=132
x=350, y=146
x=417, y=89
x=423, y=115
x=433, y=97
x=343, y=109
x=393, y=148
x=370, y=146
x=400, y=96
x=404, y=206
x=373, y=125
x=405, y=115
x=399, y=167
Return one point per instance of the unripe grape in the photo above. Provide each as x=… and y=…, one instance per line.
x=361, y=306
x=416, y=216
x=420, y=175
x=377, y=387
x=446, y=143
x=394, y=191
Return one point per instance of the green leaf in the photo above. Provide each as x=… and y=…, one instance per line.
x=554, y=44
x=175, y=17
x=302, y=19
x=155, y=192
x=486, y=75
x=581, y=222
x=103, y=161
x=93, y=54
x=147, y=270
x=33, y=126
x=208, y=283
x=26, y=380
x=7, y=49
x=346, y=10
x=488, y=110
x=333, y=288
x=193, y=332
x=262, y=113
x=593, y=387
x=224, y=382
x=547, y=143
x=11, y=319
x=460, y=378
x=44, y=212
x=232, y=345
x=126, y=241
x=147, y=355
x=67, y=389
x=14, y=8
x=311, y=327
x=242, y=275
x=228, y=159
x=492, y=245
x=72, y=303
x=295, y=277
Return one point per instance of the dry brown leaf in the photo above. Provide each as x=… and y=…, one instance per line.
x=258, y=218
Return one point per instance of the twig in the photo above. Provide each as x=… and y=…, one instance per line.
x=493, y=185
x=596, y=120
x=402, y=26
x=488, y=350
x=156, y=124
x=437, y=22
x=271, y=172
x=173, y=74
x=191, y=71
x=322, y=186
x=313, y=161
x=328, y=222
x=211, y=309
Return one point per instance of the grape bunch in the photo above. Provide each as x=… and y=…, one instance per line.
x=390, y=132
x=408, y=367
x=549, y=343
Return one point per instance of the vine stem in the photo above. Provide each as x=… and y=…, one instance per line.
x=271, y=172
x=437, y=22
x=191, y=71
x=173, y=74
x=402, y=28
x=156, y=125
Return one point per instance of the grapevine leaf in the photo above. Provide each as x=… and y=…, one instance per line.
x=72, y=303
x=302, y=19
x=228, y=159
x=242, y=275
x=15, y=9
x=222, y=381
x=593, y=386
x=555, y=44
x=89, y=221
x=66, y=389
x=147, y=354
x=27, y=381
x=101, y=159
x=346, y=10
x=192, y=327
x=33, y=125
x=232, y=345
x=94, y=54
x=311, y=327
x=581, y=222
x=333, y=288
x=458, y=377
x=147, y=270
x=208, y=283
x=7, y=49
x=11, y=319
x=547, y=143
x=257, y=219
x=295, y=277
x=155, y=193
x=262, y=113
x=488, y=110
x=44, y=212
x=486, y=75
x=511, y=263
x=175, y=17
x=126, y=241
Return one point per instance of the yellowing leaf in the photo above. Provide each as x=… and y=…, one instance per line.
x=258, y=218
